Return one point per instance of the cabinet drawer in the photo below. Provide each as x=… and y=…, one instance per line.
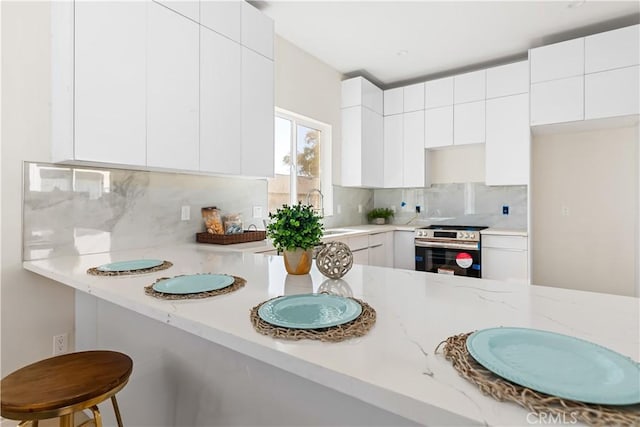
x=613, y=49
x=377, y=239
x=557, y=101
x=612, y=93
x=504, y=242
x=358, y=242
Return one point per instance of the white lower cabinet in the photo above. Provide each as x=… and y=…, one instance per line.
x=505, y=257
x=220, y=105
x=172, y=90
x=257, y=114
x=507, y=156
x=381, y=249
x=361, y=256
x=612, y=93
x=108, y=72
x=404, y=251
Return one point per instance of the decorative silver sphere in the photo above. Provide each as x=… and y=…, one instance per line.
x=334, y=260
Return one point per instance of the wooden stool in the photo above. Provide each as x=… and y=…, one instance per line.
x=63, y=385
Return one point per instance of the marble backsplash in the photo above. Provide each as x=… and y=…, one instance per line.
x=472, y=203
x=71, y=210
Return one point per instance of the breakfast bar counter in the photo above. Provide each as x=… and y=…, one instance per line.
x=200, y=362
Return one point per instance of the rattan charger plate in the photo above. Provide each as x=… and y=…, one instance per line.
x=455, y=350
x=95, y=272
x=238, y=283
x=358, y=327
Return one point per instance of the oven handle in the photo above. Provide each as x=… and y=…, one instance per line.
x=448, y=245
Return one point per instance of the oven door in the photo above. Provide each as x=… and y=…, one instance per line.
x=445, y=260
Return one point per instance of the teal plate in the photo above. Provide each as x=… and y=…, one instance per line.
x=193, y=284
x=559, y=365
x=309, y=311
x=132, y=265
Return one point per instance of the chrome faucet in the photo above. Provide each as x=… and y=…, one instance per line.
x=321, y=210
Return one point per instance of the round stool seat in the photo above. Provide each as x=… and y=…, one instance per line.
x=64, y=384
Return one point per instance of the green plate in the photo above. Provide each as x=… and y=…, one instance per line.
x=193, y=284
x=131, y=265
x=559, y=365
x=309, y=311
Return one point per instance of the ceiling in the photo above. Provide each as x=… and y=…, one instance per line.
x=397, y=42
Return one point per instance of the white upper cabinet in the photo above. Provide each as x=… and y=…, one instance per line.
x=469, y=87
x=557, y=61
x=557, y=101
x=393, y=150
x=172, y=90
x=222, y=16
x=438, y=127
x=510, y=79
x=413, y=165
x=612, y=49
x=360, y=91
x=393, y=101
x=508, y=138
x=469, y=123
x=612, y=93
x=190, y=9
x=373, y=152
x=110, y=60
x=256, y=30
x=257, y=114
x=220, y=103
x=413, y=97
x=438, y=93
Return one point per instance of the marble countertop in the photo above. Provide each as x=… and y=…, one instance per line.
x=394, y=367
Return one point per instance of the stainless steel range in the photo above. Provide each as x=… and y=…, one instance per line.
x=449, y=249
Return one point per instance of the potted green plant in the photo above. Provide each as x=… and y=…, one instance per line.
x=294, y=231
x=379, y=215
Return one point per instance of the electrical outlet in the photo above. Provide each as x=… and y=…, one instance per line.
x=565, y=211
x=185, y=213
x=60, y=344
x=505, y=210
x=257, y=211
x=359, y=208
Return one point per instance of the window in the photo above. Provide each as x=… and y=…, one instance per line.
x=302, y=156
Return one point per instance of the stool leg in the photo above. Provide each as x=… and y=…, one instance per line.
x=66, y=420
x=116, y=410
x=97, y=417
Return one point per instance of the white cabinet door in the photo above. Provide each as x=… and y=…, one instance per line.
x=508, y=138
x=438, y=93
x=222, y=16
x=557, y=61
x=469, y=87
x=557, y=101
x=190, y=9
x=469, y=123
x=377, y=255
x=612, y=93
x=393, y=150
x=372, y=149
x=371, y=96
x=614, y=49
x=413, y=164
x=351, y=165
x=404, y=251
x=220, y=103
x=438, y=127
x=505, y=264
x=381, y=249
x=361, y=256
x=413, y=97
x=510, y=79
x=172, y=90
x=256, y=30
x=393, y=101
x=257, y=114
x=110, y=95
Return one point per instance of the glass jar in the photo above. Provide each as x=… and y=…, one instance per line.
x=212, y=220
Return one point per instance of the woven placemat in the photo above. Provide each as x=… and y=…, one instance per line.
x=356, y=328
x=238, y=283
x=95, y=272
x=455, y=350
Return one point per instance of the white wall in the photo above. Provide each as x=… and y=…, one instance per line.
x=457, y=164
x=592, y=245
x=33, y=308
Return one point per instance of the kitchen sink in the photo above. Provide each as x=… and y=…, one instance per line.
x=335, y=231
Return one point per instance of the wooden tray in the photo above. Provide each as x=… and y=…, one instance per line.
x=228, y=239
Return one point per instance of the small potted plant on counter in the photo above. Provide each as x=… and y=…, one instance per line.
x=295, y=230
x=379, y=215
